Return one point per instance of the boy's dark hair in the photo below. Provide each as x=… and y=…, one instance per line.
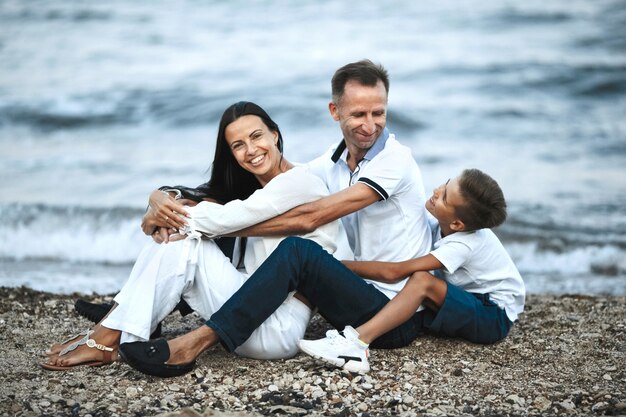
x=364, y=71
x=484, y=206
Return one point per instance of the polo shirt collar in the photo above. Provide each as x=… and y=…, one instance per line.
x=378, y=146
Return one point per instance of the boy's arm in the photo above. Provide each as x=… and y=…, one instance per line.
x=392, y=271
x=308, y=217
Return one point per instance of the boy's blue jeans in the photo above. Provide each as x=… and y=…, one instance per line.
x=342, y=297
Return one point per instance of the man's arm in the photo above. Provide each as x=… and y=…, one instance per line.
x=393, y=271
x=308, y=217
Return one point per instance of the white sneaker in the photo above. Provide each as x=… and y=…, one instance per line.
x=345, y=351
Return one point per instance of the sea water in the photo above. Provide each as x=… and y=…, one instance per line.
x=101, y=102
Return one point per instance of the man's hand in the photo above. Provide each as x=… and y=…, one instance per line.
x=164, y=235
x=160, y=235
x=164, y=212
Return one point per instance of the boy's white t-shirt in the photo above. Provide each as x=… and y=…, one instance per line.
x=478, y=263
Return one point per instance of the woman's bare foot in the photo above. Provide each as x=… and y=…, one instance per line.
x=99, y=349
x=56, y=348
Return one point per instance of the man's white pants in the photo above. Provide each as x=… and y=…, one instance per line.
x=200, y=273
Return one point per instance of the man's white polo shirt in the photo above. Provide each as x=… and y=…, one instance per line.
x=394, y=228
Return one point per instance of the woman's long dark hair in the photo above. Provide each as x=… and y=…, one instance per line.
x=229, y=181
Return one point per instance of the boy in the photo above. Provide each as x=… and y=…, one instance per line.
x=479, y=298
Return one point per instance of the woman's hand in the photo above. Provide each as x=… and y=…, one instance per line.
x=165, y=212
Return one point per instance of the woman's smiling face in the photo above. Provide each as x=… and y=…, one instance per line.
x=253, y=145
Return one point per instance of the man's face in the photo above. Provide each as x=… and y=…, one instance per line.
x=362, y=115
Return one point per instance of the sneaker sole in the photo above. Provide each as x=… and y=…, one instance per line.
x=350, y=366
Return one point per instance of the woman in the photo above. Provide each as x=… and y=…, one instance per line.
x=248, y=163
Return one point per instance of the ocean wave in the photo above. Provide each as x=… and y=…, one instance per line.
x=601, y=80
x=76, y=234
x=561, y=238
x=604, y=84
x=604, y=80
x=176, y=106
x=172, y=107
x=591, y=80
x=402, y=121
x=612, y=148
x=586, y=261
x=42, y=12
x=547, y=248
x=188, y=102
x=113, y=236
x=517, y=16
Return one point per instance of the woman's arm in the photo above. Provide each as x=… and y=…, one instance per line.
x=392, y=271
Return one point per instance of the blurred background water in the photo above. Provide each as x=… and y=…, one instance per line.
x=101, y=102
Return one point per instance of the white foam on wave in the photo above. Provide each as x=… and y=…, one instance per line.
x=116, y=245
x=589, y=260
x=70, y=234
x=65, y=277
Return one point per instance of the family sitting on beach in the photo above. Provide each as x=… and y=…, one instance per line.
x=420, y=265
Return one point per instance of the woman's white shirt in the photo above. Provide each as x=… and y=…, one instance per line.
x=284, y=192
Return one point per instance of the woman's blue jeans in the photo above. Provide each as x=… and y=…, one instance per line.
x=297, y=264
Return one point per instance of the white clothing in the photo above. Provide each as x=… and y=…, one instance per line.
x=478, y=263
x=394, y=228
x=198, y=271
x=284, y=192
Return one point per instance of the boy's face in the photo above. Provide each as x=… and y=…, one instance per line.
x=442, y=205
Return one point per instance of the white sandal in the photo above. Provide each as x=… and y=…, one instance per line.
x=107, y=353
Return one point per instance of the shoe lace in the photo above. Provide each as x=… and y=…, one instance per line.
x=333, y=333
x=335, y=338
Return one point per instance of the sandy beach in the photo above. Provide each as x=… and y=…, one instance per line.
x=566, y=356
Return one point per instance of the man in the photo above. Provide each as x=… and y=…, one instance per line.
x=378, y=193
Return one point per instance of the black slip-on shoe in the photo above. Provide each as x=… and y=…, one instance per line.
x=92, y=311
x=95, y=312
x=150, y=357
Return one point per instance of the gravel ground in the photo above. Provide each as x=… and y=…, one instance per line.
x=566, y=356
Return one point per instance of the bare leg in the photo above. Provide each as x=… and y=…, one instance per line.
x=86, y=355
x=58, y=347
x=421, y=288
x=189, y=346
x=303, y=299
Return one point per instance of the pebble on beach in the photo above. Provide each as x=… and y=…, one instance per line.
x=565, y=356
